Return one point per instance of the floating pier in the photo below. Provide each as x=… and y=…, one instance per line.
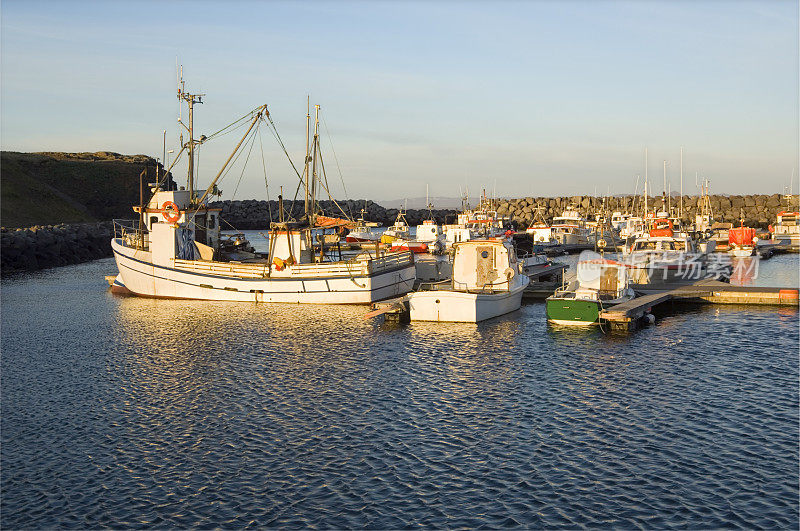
x=627, y=315
x=393, y=310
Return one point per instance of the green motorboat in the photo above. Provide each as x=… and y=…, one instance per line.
x=600, y=283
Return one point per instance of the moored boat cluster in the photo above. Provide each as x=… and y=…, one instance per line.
x=473, y=265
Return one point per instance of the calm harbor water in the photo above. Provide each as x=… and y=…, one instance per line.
x=128, y=412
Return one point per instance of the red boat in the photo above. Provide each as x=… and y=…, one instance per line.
x=413, y=246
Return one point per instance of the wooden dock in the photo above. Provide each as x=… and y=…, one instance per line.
x=394, y=310
x=627, y=315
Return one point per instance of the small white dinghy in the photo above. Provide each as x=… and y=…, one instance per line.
x=487, y=282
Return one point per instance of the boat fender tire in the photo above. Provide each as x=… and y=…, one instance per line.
x=175, y=214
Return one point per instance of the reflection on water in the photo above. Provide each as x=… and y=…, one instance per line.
x=128, y=412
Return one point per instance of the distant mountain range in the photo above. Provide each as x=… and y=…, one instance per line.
x=419, y=202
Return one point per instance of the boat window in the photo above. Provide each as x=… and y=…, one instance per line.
x=211, y=221
x=153, y=221
x=646, y=246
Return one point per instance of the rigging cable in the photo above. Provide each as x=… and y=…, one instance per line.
x=266, y=181
x=325, y=186
x=336, y=159
x=224, y=130
x=277, y=135
x=246, y=160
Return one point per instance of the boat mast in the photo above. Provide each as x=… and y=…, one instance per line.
x=190, y=100
x=645, y=181
x=307, y=159
x=681, y=207
x=664, y=193
x=311, y=209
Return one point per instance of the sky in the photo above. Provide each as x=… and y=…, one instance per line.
x=523, y=98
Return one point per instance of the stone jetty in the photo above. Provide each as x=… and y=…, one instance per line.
x=253, y=214
x=44, y=246
x=758, y=210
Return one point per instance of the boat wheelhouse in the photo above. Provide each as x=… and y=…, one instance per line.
x=787, y=228
x=570, y=228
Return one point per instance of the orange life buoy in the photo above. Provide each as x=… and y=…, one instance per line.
x=176, y=212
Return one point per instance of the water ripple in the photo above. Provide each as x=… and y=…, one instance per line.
x=125, y=412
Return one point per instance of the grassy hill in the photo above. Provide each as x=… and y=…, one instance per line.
x=50, y=188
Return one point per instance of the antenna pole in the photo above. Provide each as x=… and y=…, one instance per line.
x=681, y=207
x=190, y=100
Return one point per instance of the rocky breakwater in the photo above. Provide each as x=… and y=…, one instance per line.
x=758, y=210
x=43, y=246
x=253, y=214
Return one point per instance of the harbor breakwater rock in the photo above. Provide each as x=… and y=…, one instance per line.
x=758, y=210
x=44, y=246
x=253, y=214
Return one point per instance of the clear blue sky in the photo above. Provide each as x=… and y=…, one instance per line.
x=541, y=98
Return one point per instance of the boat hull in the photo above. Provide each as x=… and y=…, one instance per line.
x=141, y=277
x=361, y=239
x=573, y=311
x=463, y=307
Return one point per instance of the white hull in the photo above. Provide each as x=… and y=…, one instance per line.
x=295, y=284
x=464, y=307
x=564, y=322
x=741, y=252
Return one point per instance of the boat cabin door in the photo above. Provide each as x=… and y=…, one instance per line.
x=485, y=265
x=609, y=281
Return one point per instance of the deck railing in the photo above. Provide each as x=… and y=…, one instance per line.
x=355, y=267
x=128, y=231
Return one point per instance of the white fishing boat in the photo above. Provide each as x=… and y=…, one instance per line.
x=540, y=231
x=570, y=228
x=663, y=256
x=619, y=220
x=632, y=227
x=487, y=282
x=456, y=233
x=485, y=220
x=431, y=234
x=787, y=228
x=174, y=250
x=362, y=231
